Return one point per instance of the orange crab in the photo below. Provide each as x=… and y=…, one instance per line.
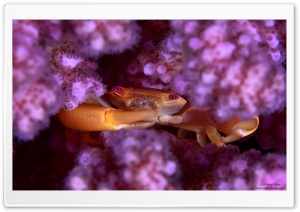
x=143, y=107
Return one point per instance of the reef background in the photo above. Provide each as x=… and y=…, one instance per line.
x=234, y=67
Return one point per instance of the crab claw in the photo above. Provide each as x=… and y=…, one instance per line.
x=94, y=118
x=242, y=129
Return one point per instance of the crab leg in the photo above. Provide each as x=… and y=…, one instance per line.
x=94, y=118
x=201, y=138
x=199, y=121
x=214, y=136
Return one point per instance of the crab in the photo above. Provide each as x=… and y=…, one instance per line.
x=131, y=108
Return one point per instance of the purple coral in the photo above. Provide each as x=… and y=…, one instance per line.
x=75, y=74
x=227, y=71
x=270, y=36
x=135, y=159
x=147, y=159
x=98, y=37
x=226, y=168
x=229, y=66
x=36, y=94
x=159, y=64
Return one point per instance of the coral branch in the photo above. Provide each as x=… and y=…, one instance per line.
x=231, y=66
x=75, y=74
x=36, y=94
x=98, y=37
x=136, y=159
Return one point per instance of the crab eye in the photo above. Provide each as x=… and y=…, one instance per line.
x=117, y=90
x=173, y=96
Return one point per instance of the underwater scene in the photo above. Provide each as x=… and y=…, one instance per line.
x=149, y=105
